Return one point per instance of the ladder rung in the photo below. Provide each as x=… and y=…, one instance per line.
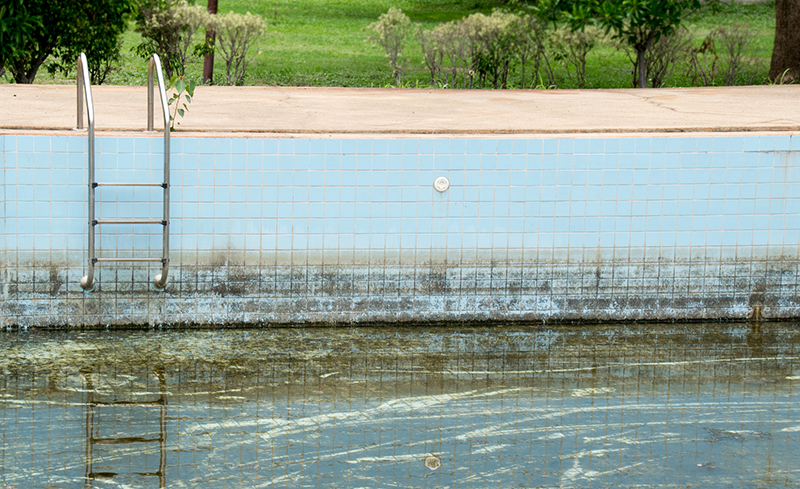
x=160, y=260
x=123, y=441
x=122, y=184
x=96, y=475
x=131, y=221
x=130, y=403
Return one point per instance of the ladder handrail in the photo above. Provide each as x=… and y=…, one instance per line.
x=84, y=88
x=155, y=62
x=85, y=92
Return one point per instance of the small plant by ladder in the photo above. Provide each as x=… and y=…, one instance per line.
x=182, y=89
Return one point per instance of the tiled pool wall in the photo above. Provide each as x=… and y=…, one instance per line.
x=351, y=230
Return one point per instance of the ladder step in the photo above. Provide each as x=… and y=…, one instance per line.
x=160, y=260
x=123, y=441
x=122, y=184
x=127, y=221
x=130, y=403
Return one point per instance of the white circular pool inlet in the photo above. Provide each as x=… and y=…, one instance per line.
x=441, y=184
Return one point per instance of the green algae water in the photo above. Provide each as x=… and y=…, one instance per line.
x=694, y=405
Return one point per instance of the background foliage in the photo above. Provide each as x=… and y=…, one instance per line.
x=323, y=43
x=56, y=32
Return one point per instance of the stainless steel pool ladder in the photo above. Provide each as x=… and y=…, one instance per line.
x=85, y=91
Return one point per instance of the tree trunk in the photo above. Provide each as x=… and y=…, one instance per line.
x=24, y=70
x=785, y=65
x=641, y=67
x=208, y=62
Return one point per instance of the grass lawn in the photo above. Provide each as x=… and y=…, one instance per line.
x=323, y=43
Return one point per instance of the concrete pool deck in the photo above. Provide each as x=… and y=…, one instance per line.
x=304, y=111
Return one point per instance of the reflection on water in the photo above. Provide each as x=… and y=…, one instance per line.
x=643, y=405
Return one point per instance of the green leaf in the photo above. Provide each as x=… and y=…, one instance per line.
x=180, y=86
x=180, y=112
x=189, y=98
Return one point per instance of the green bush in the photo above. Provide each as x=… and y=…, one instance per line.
x=390, y=33
x=236, y=33
x=573, y=46
x=167, y=28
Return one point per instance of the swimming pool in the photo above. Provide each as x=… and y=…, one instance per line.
x=662, y=405
x=296, y=230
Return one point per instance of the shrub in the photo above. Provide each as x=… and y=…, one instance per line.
x=493, y=46
x=572, y=47
x=432, y=54
x=168, y=27
x=235, y=34
x=664, y=56
x=479, y=48
x=482, y=50
x=725, y=57
x=530, y=45
x=455, y=45
x=736, y=42
x=390, y=33
x=703, y=60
